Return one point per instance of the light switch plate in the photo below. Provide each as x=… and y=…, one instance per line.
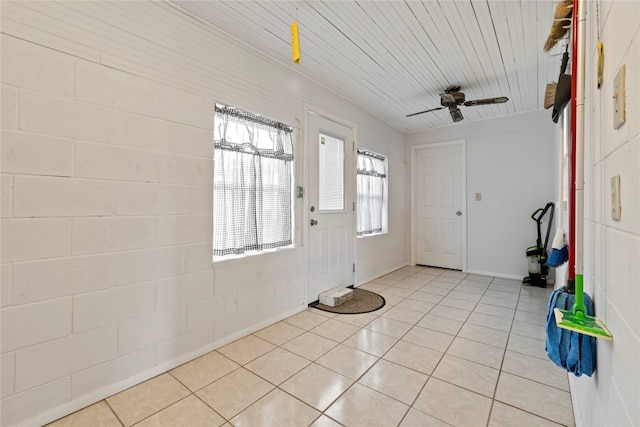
x=619, y=113
x=615, y=198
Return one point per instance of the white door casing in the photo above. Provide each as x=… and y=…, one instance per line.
x=332, y=236
x=439, y=224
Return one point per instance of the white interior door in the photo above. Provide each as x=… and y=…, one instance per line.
x=331, y=205
x=439, y=214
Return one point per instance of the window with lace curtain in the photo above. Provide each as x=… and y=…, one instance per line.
x=372, y=193
x=252, y=183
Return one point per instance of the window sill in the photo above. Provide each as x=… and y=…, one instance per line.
x=250, y=255
x=364, y=236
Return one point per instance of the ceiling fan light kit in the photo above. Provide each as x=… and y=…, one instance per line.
x=451, y=98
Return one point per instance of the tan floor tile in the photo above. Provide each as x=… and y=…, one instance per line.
x=399, y=292
x=533, y=368
x=370, y=342
x=528, y=346
x=453, y=404
x=389, y=327
x=373, y=287
x=460, y=293
x=414, y=357
x=390, y=299
x=310, y=346
x=426, y=297
x=317, y=386
x=276, y=409
x=232, y=394
x=246, y=349
x=435, y=290
x=477, y=352
x=189, y=412
x=361, y=406
x=204, y=370
x=415, y=305
x=359, y=320
x=347, y=361
x=334, y=330
x=450, y=313
x=488, y=321
x=279, y=333
x=528, y=330
x=98, y=415
x=440, y=324
x=395, y=381
x=484, y=335
x=403, y=315
x=415, y=418
x=321, y=312
x=463, y=373
x=325, y=421
x=507, y=416
x=539, y=399
x=306, y=319
x=428, y=338
x=526, y=317
x=456, y=303
x=277, y=365
x=147, y=398
x=493, y=310
x=410, y=284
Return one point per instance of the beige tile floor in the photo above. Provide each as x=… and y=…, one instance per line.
x=447, y=349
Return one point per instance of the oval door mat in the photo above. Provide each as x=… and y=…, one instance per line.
x=363, y=301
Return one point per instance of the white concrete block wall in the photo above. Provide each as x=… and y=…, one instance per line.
x=612, y=248
x=106, y=179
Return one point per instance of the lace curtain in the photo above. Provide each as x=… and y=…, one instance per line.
x=252, y=182
x=371, y=180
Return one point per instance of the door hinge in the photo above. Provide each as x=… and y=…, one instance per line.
x=354, y=267
x=353, y=146
x=354, y=206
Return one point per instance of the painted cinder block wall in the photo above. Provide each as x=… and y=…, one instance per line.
x=107, y=278
x=612, y=248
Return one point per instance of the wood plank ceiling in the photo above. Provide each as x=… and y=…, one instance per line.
x=394, y=57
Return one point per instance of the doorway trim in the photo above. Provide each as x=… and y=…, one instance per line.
x=413, y=155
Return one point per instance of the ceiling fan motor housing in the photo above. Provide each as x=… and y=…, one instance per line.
x=451, y=98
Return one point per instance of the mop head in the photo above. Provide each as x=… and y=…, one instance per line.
x=568, y=349
x=559, y=251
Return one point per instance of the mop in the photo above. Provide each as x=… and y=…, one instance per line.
x=571, y=326
x=578, y=319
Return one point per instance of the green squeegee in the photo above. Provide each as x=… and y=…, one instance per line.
x=578, y=320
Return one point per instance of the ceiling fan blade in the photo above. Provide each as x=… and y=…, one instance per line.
x=425, y=111
x=486, y=101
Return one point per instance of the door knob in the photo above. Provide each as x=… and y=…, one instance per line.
x=313, y=222
x=458, y=213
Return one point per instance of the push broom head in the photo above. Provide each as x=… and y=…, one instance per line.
x=550, y=95
x=582, y=323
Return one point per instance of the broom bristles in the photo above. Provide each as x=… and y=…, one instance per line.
x=556, y=33
x=550, y=95
x=563, y=9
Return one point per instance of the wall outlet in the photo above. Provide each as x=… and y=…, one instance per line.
x=615, y=198
x=478, y=197
x=619, y=110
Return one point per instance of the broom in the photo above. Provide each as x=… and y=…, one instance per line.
x=559, y=251
x=558, y=28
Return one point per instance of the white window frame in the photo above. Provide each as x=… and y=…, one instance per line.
x=384, y=226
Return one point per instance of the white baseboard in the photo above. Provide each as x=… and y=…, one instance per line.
x=382, y=273
x=500, y=275
x=100, y=394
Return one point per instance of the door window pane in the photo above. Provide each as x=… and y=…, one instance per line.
x=331, y=173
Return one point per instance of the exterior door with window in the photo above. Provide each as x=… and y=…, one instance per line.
x=439, y=183
x=331, y=205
